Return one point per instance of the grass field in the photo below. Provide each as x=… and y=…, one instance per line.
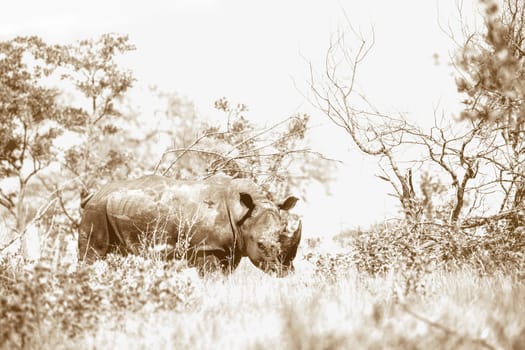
x=140, y=303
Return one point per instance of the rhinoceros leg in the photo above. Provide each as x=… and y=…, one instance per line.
x=208, y=264
x=93, y=236
x=214, y=261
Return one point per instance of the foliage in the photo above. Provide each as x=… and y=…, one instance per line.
x=29, y=117
x=36, y=299
x=35, y=113
x=91, y=71
x=177, y=126
x=91, y=67
x=418, y=249
x=265, y=156
x=491, y=69
x=331, y=265
x=433, y=202
x=480, y=159
x=273, y=156
x=138, y=302
x=490, y=73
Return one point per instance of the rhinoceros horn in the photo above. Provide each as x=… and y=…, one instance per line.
x=290, y=243
x=294, y=241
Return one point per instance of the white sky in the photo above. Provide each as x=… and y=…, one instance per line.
x=253, y=51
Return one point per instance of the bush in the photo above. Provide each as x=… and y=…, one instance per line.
x=417, y=248
x=36, y=299
x=331, y=265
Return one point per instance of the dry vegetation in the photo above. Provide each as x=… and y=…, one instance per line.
x=448, y=275
x=334, y=300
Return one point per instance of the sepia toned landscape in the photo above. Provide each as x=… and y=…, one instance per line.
x=208, y=174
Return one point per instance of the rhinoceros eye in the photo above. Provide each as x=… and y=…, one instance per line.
x=260, y=245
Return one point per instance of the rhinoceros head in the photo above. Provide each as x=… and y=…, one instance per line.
x=270, y=237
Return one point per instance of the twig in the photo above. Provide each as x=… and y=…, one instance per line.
x=37, y=217
x=63, y=207
x=188, y=149
x=480, y=221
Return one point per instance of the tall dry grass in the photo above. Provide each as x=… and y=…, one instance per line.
x=141, y=302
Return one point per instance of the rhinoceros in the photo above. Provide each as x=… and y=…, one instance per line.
x=213, y=222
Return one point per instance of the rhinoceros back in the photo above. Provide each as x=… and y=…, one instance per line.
x=154, y=208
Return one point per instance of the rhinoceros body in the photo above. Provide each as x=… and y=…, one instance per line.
x=212, y=222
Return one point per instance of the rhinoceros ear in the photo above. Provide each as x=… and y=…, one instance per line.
x=289, y=203
x=247, y=200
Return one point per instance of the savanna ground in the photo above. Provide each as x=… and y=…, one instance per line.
x=366, y=290
x=449, y=275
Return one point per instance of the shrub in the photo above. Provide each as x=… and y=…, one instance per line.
x=35, y=299
x=417, y=248
x=331, y=265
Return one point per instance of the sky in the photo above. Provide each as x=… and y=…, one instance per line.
x=257, y=53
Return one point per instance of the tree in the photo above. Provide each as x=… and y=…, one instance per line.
x=91, y=68
x=90, y=71
x=451, y=150
x=30, y=118
x=35, y=110
x=274, y=156
x=176, y=126
x=375, y=134
x=490, y=69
